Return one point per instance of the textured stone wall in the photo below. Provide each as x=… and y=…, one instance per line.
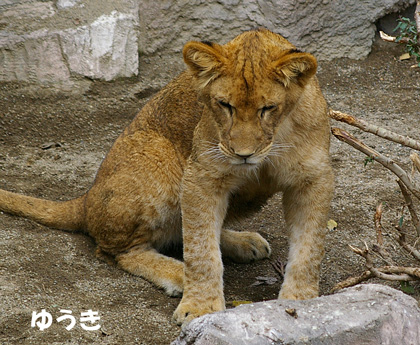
x=60, y=41
x=55, y=42
x=328, y=29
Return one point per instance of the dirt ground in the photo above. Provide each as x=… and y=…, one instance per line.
x=52, y=143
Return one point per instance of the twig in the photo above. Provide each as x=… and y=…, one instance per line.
x=383, y=254
x=397, y=275
x=385, y=161
x=279, y=266
x=417, y=16
x=378, y=248
x=411, y=273
x=387, y=38
x=376, y=272
x=414, y=252
x=379, y=131
x=378, y=227
x=406, y=183
x=409, y=248
x=353, y=281
x=410, y=206
x=393, y=273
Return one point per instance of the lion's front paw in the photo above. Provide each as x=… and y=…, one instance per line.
x=244, y=247
x=173, y=290
x=190, y=309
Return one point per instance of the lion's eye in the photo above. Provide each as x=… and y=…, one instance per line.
x=267, y=109
x=227, y=106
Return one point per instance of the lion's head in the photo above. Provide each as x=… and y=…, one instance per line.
x=249, y=85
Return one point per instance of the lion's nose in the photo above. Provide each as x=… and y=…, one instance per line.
x=244, y=153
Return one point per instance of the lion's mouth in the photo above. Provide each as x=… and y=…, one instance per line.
x=217, y=152
x=246, y=161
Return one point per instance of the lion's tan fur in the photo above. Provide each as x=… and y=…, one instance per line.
x=246, y=120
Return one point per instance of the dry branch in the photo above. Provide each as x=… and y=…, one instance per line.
x=375, y=155
x=279, y=266
x=412, y=272
x=353, y=281
x=378, y=226
x=410, y=206
x=396, y=276
x=379, y=131
x=387, y=38
x=391, y=272
x=417, y=16
x=383, y=253
x=409, y=248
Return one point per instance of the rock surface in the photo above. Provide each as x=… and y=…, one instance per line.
x=366, y=314
x=44, y=42
x=328, y=29
x=56, y=42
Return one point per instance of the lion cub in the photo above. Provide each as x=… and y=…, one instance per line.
x=246, y=120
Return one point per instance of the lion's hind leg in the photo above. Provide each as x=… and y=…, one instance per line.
x=163, y=271
x=244, y=247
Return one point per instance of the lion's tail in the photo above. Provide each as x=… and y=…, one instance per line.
x=66, y=215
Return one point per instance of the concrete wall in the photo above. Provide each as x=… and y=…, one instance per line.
x=61, y=41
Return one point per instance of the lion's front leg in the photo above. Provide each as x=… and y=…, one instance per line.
x=306, y=209
x=203, y=203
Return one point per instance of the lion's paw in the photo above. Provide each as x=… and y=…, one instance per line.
x=244, y=247
x=190, y=309
x=173, y=290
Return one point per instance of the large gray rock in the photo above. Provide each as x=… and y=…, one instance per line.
x=59, y=41
x=328, y=29
x=367, y=314
x=50, y=43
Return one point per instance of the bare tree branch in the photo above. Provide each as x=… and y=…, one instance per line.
x=410, y=206
x=353, y=281
x=379, y=131
x=387, y=38
x=409, y=248
x=383, y=253
x=385, y=161
x=391, y=272
x=279, y=266
x=411, y=273
x=397, y=276
x=378, y=227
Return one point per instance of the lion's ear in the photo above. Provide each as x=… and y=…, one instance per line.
x=204, y=59
x=294, y=67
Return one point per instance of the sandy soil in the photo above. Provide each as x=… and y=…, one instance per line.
x=51, y=145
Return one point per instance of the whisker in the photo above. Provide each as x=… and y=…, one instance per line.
x=278, y=149
x=275, y=154
x=277, y=146
x=254, y=171
x=268, y=158
x=212, y=150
